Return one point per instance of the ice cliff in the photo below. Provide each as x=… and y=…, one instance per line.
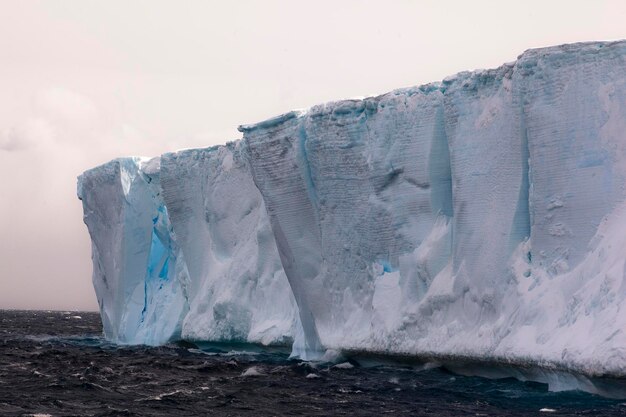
x=182, y=248
x=483, y=217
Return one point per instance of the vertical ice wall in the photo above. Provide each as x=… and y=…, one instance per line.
x=143, y=215
x=293, y=216
x=528, y=162
x=569, y=306
x=138, y=268
x=489, y=163
x=353, y=189
x=237, y=287
x=574, y=110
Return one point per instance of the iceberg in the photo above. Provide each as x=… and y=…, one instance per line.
x=478, y=218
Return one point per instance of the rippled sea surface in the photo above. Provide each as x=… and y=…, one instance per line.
x=57, y=364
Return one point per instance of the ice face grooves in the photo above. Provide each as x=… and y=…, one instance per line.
x=483, y=127
x=565, y=112
x=522, y=220
x=303, y=158
x=291, y=211
x=180, y=198
x=440, y=173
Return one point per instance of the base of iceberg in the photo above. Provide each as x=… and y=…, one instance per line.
x=480, y=219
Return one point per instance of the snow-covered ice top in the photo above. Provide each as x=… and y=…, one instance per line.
x=480, y=217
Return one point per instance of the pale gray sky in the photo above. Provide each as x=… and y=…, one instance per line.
x=82, y=82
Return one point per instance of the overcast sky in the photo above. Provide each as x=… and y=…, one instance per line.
x=82, y=82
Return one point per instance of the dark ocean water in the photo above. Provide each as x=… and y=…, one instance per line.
x=56, y=363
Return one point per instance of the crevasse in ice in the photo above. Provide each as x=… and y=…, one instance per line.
x=480, y=217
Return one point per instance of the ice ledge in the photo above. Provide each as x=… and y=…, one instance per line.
x=557, y=375
x=274, y=121
x=590, y=47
